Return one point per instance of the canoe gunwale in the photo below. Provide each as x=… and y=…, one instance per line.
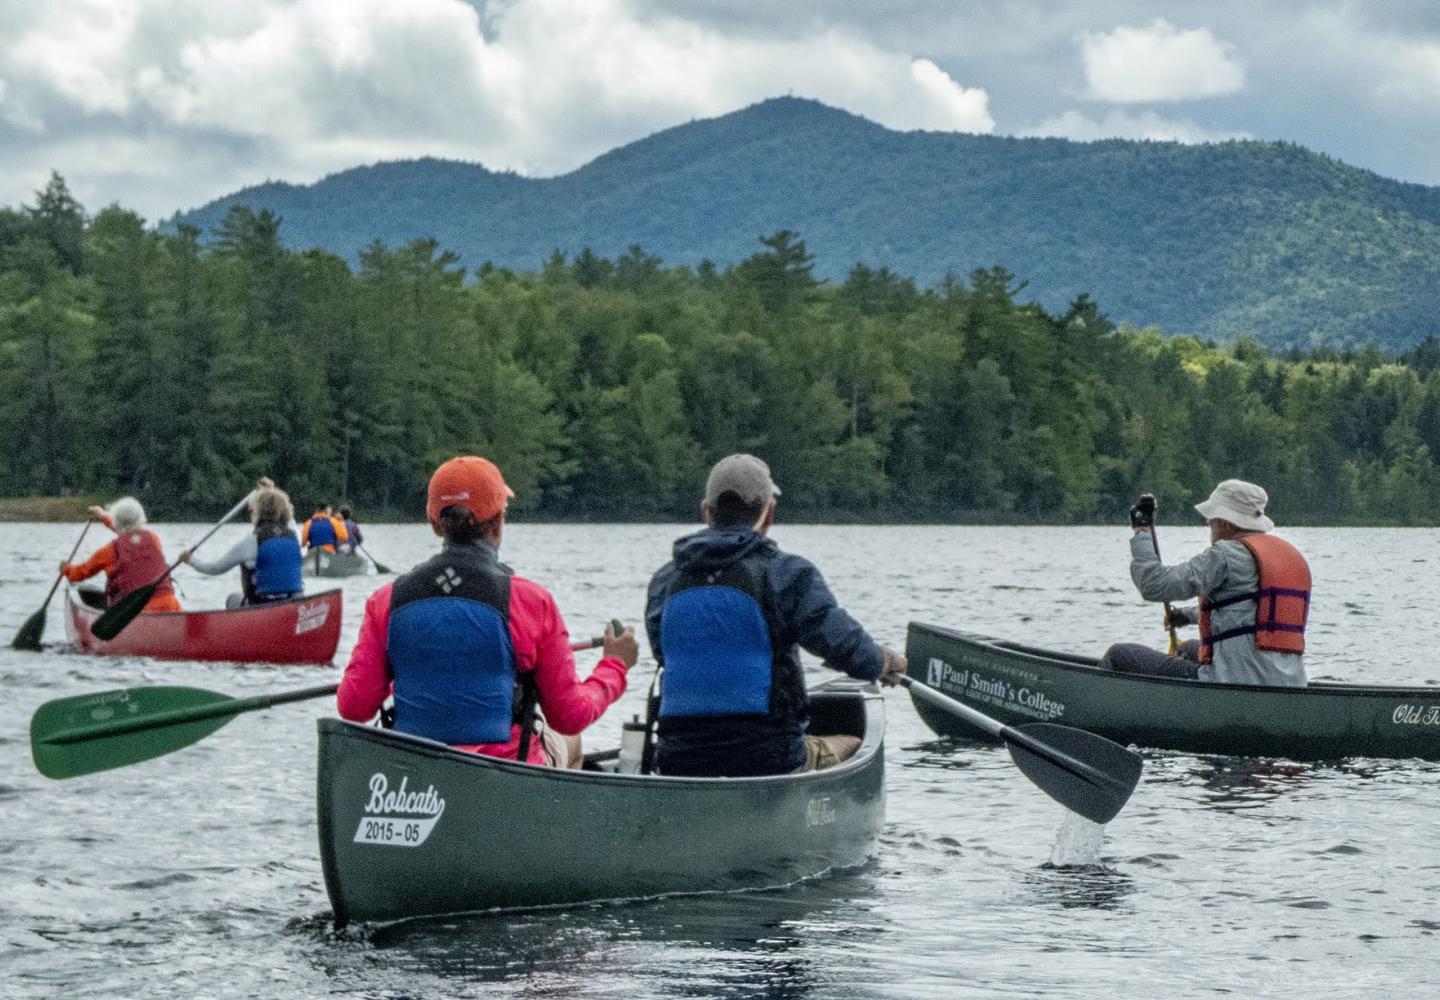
x=871, y=744
x=1076, y=663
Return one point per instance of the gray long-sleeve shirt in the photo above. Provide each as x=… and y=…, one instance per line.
x=1225, y=569
x=242, y=553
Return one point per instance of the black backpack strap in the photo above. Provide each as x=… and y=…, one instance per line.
x=652, y=717
x=525, y=713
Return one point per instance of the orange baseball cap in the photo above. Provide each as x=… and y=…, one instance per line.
x=468, y=481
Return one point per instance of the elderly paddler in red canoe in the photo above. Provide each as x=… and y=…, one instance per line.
x=133, y=560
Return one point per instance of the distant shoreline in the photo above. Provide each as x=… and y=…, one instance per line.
x=32, y=510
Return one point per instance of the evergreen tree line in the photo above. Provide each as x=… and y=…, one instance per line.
x=150, y=363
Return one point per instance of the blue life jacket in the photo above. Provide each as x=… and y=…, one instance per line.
x=277, y=565
x=717, y=643
x=449, y=648
x=322, y=532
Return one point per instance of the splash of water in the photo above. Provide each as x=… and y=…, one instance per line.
x=1077, y=842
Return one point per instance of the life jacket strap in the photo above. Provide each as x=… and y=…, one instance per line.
x=526, y=714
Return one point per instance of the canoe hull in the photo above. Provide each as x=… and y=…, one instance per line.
x=411, y=828
x=334, y=564
x=305, y=630
x=1018, y=684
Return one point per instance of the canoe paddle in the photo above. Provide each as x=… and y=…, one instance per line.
x=1085, y=773
x=96, y=732
x=380, y=567
x=1155, y=544
x=29, y=635
x=125, y=610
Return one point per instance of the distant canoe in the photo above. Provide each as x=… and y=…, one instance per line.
x=409, y=827
x=320, y=563
x=1017, y=684
x=305, y=630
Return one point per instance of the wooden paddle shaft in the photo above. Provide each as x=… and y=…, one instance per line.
x=1174, y=638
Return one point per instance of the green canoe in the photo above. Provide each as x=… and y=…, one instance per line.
x=412, y=828
x=321, y=563
x=1017, y=684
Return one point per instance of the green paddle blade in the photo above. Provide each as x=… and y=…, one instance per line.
x=96, y=732
x=29, y=635
x=1085, y=773
x=122, y=613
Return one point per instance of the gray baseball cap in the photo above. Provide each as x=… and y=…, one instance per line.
x=744, y=475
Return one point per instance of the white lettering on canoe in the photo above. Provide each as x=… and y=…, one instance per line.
x=309, y=617
x=390, y=817
x=1416, y=715
x=974, y=686
x=820, y=811
x=939, y=674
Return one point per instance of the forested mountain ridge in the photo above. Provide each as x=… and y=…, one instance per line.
x=1238, y=239
x=138, y=361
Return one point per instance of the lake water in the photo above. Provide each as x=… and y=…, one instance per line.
x=197, y=874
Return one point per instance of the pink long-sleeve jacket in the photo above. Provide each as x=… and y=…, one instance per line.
x=542, y=644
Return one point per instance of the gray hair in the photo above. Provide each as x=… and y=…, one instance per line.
x=127, y=514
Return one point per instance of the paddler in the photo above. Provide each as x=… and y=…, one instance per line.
x=324, y=531
x=468, y=650
x=1254, y=591
x=268, y=556
x=352, y=530
x=726, y=619
x=133, y=560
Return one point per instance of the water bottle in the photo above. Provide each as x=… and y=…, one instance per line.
x=632, y=746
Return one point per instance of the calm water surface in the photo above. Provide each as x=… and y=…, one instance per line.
x=197, y=874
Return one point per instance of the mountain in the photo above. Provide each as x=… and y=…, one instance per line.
x=1260, y=239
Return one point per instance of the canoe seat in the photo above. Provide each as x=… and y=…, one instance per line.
x=92, y=597
x=837, y=713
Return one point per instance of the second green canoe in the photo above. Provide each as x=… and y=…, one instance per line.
x=1017, y=684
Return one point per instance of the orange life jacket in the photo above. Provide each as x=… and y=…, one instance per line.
x=139, y=561
x=1282, y=602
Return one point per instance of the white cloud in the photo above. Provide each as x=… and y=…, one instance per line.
x=1118, y=124
x=1159, y=63
x=298, y=88
x=1411, y=73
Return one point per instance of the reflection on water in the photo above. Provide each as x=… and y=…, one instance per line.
x=1094, y=887
x=750, y=944
x=1238, y=783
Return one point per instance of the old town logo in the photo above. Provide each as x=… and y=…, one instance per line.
x=401, y=818
x=309, y=617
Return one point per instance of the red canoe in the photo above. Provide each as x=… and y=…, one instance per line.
x=305, y=630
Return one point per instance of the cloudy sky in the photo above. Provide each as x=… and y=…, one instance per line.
x=165, y=104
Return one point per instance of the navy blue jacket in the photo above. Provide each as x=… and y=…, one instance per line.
x=802, y=613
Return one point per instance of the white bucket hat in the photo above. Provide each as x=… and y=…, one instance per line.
x=1240, y=503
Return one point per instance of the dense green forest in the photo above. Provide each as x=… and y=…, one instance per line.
x=1260, y=240
x=137, y=361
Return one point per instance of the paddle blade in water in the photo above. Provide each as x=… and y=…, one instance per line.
x=122, y=613
x=96, y=732
x=1085, y=773
x=29, y=635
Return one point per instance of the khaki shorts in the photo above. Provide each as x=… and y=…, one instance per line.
x=818, y=756
x=557, y=753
